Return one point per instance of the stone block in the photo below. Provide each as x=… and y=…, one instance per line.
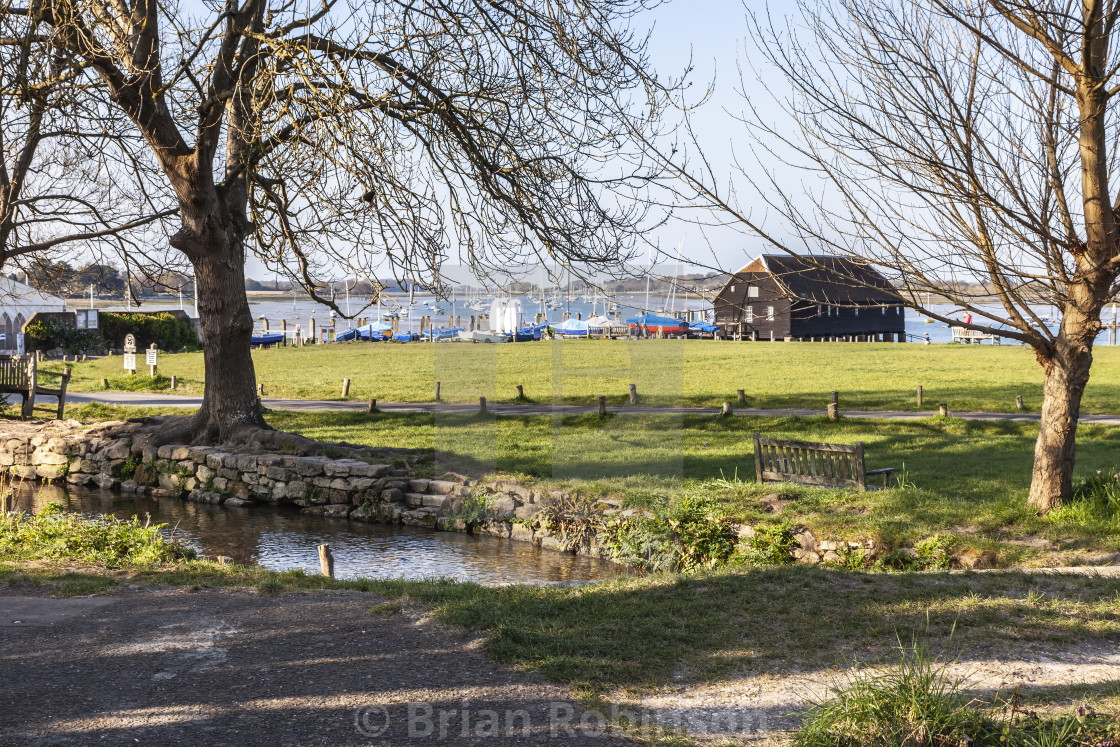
x=414, y=499
x=164, y=452
x=204, y=473
x=278, y=473
x=442, y=487
x=418, y=486
x=336, y=469
x=234, y=502
x=391, y=495
x=521, y=533
x=214, y=460
x=526, y=512
x=503, y=507
x=179, y=453
x=435, y=501
x=340, y=484
x=106, y=481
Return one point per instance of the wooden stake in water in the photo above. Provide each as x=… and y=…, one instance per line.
x=326, y=561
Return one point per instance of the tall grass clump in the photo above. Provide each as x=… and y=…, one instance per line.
x=1094, y=502
x=914, y=702
x=52, y=533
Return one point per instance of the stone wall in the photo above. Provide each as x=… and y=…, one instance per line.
x=381, y=487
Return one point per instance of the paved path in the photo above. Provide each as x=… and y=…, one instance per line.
x=142, y=399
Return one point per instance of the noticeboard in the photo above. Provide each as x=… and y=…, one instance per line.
x=150, y=357
x=129, y=361
x=129, y=343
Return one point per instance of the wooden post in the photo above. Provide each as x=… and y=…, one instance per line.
x=602, y=406
x=372, y=405
x=174, y=381
x=326, y=561
x=1019, y=402
x=943, y=410
x=742, y=396
x=104, y=383
x=833, y=411
x=345, y=388
x=260, y=390
x=726, y=411
x=481, y=405
x=633, y=394
x=834, y=398
x=919, y=395
x=152, y=368
x=437, y=392
x=83, y=357
x=520, y=392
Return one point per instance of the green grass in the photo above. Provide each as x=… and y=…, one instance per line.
x=963, y=481
x=667, y=372
x=918, y=701
x=54, y=533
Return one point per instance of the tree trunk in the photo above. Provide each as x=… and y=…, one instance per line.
x=230, y=403
x=1067, y=373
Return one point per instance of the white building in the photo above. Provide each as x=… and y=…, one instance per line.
x=18, y=302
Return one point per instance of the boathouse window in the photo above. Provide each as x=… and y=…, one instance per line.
x=748, y=314
x=769, y=313
x=752, y=291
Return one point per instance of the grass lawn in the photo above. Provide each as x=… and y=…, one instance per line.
x=964, y=480
x=669, y=372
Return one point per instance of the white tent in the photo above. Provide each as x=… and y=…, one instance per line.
x=18, y=303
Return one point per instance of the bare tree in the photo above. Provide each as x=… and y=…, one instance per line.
x=57, y=154
x=341, y=133
x=949, y=141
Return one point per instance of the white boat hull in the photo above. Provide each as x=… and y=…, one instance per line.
x=477, y=335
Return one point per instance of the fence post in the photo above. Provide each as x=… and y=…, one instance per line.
x=326, y=561
x=742, y=396
x=345, y=388
x=633, y=394
x=919, y=395
x=437, y=392
x=602, y=406
x=943, y=410
x=481, y=405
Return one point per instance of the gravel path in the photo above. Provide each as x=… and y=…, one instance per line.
x=176, y=667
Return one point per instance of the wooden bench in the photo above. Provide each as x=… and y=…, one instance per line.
x=21, y=375
x=813, y=463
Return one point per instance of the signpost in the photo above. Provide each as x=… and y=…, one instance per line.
x=151, y=357
x=129, y=348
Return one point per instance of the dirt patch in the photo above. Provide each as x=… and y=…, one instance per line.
x=170, y=667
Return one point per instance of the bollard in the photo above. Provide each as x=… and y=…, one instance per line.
x=742, y=397
x=943, y=409
x=326, y=561
x=726, y=411
x=174, y=381
x=104, y=383
x=919, y=395
x=260, y=390
x=833, y=411
x=481, y=405
x=834, y=397
x=520, y=392
x=633, y=394
x=602, y=406
x=437, y=391
x=372, y=405
x=1019, y=402
x=345, y=388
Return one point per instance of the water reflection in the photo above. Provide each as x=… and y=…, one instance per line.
x=284, y=539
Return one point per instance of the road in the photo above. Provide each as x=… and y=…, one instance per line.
x=143, y=399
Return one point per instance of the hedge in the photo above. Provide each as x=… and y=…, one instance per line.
x=171, y=333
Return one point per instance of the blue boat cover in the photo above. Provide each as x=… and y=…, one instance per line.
x=653, y=321
x=571, y=328
x=271, y=338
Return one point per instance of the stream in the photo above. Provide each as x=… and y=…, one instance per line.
x=283, y=539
